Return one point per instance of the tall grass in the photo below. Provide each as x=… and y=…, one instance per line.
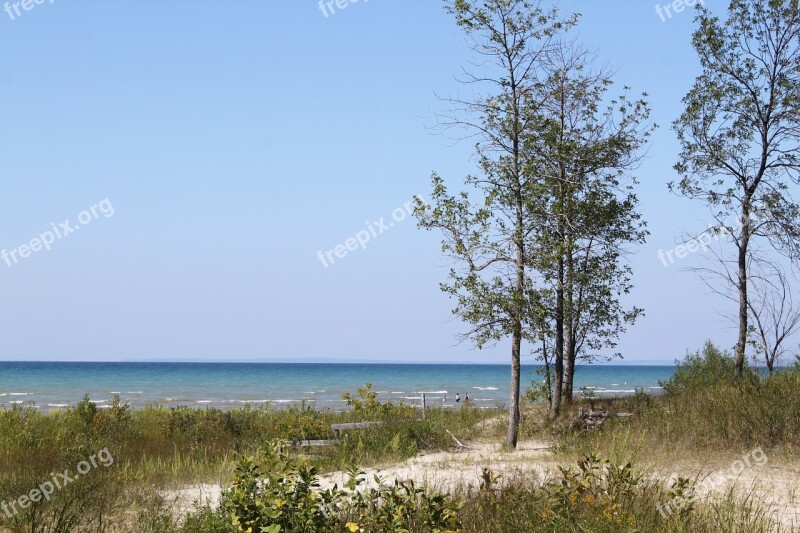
x=169, y=447
x=704, y=408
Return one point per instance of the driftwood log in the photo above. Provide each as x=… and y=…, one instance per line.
x=589, y=419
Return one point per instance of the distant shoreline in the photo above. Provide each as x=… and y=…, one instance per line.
x=326, y=362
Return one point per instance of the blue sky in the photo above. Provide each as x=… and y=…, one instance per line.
x=236, y=140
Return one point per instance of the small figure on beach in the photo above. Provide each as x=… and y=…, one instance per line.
x=458, y=398
x=444, y=398
x=466, y=397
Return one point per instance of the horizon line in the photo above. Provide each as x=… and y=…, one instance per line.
x=327, y=361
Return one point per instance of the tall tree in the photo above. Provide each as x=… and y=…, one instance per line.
x=739, y=133
x=486, y=229
x=583, y=155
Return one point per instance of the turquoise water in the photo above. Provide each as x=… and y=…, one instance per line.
x=50, y=386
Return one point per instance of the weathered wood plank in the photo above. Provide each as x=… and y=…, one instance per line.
x=305, y=443
x=355, y=425
x=338, y=428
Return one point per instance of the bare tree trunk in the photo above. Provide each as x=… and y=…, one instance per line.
x=519, y=308
x=547, y=381
x=744, y=240
x=513, y=412
x=569, y=339
x=569, y=367
x=558, y=374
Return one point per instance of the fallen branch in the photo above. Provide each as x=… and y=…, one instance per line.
x=458, y=442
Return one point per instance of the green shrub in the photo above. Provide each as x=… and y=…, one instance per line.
x=274, y=493
x=703, y=369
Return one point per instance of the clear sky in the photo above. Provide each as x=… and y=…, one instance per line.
x=235, y=140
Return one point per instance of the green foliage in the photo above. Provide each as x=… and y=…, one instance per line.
x=365, y=402
x=85, y=410
x=595, y=488
x=274, y=493
x=86, y=503
x=539, y=390
x=702, y=369
x=207, y=520
x=638, y=403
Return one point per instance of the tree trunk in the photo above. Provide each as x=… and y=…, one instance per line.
x=744, y=240
x=558, y=374
x=569, y=367
x=513, y=412
x=547, y=382
x=516, y=333
x=569, y=338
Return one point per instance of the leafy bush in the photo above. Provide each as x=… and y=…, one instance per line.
x=702, y=369
x=273, y=493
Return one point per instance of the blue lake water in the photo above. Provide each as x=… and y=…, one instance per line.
x=49, y=385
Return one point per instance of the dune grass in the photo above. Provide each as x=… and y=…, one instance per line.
x=159, y=447
x=704, y=411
